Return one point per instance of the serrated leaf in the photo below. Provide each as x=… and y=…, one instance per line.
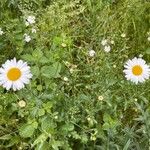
x=44, y=60
x=35, y=71
x=37, y=54
x=28, y=58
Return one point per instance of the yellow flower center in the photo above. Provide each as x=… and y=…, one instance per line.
x=14, y=74
x=137, y=70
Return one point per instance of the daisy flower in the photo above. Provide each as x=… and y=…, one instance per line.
x=14, y=74
x=136, y=70
x=92, y=53
x=1, y=31
x=31, y=19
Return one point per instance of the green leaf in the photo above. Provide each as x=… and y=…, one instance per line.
x=41, y=112
x=109, y=123
x=127, y=145
x=39, y=87
x=43, y=146
x=57, y=40
x=48, y=125
x=28, y=58
x=47, y=106
x=37, y=54
x=51, y=71
x=27, y=130
x=35, y=71
x=68, y=127
x=148, y=51
x=40, y=139
x=56, y=69
x=44, y=60
x=56, y=144
x=5, y=137
x=13, y=141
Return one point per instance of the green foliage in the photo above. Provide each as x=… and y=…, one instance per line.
x=63, y=109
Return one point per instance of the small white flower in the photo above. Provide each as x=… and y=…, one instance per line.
x=14, y=74
x=33, y=30
x=89, y=119
x=112, y=42
x=135, y=99
x=107, y=48
x=123, y=35
x=100, y=97
x=148, y=38
x=66, y=79
x=27, y=38
x=92, y=53
x=31, y=19
x=136, y=70
x=1, y=31
x=104, y=42
x=93, y=138
x=22, y=103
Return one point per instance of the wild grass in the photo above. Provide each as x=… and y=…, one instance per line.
x=97, y=108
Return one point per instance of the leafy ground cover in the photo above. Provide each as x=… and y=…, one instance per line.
x=78, y=97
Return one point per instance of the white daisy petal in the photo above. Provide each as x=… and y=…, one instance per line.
x=14, y=74
x=136, y=70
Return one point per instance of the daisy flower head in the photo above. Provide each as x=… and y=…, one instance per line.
x=1, y=31
x=136, y=70
x=92, y=53
x=14, y=74
x=31, y=19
